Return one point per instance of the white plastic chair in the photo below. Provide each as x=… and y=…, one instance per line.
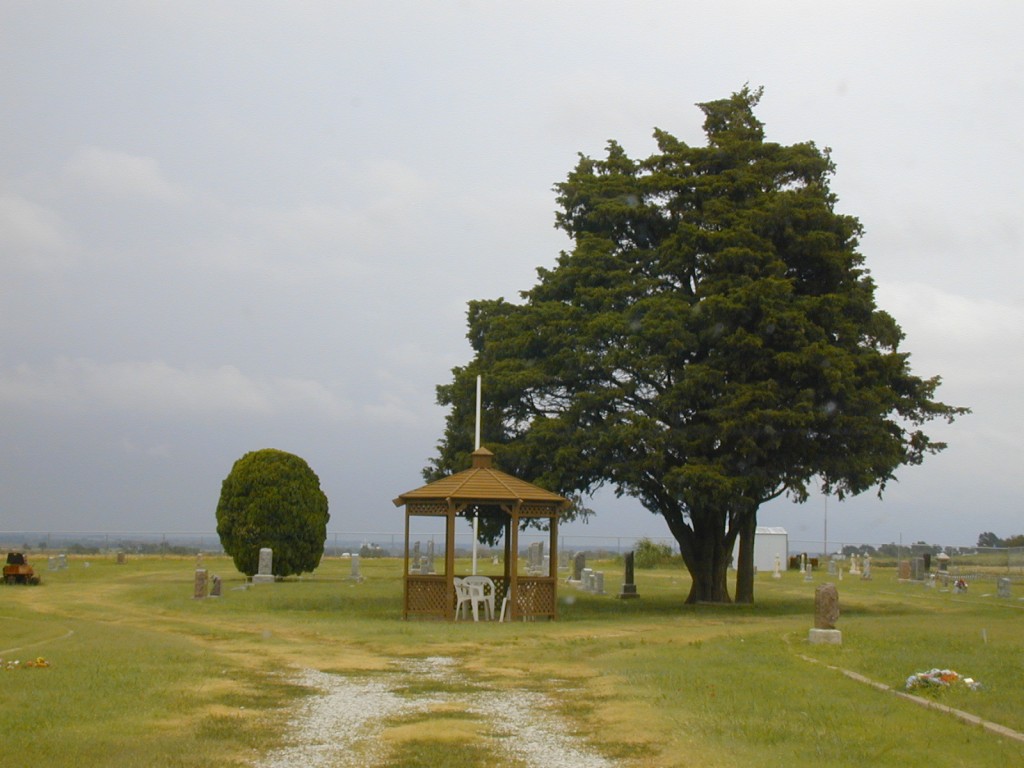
x=465, y=593
x=481, y=590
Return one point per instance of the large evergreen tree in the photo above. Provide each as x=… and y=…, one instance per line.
x=273, y=499
x=710, y=342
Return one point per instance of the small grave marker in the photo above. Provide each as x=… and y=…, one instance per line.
x=200, y=586
x=1003, y=588
x=356, y=574
x=428, y=563
x=585, y=578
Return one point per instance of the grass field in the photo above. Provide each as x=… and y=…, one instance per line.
x=141, y=674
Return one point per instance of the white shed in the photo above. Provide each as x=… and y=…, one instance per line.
x=768, y=542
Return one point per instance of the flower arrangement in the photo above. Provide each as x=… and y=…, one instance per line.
x=940, y=678
x=37, y=662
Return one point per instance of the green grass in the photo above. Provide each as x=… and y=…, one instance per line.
x=143, y=675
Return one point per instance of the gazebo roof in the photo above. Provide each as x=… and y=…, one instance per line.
x=483, y=483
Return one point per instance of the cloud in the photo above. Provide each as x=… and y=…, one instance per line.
x=936, y=316
x=121, y=176
x=156, y=387
x=377, y=217
x=32, y=237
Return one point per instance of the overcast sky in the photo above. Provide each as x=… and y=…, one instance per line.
x=234, y=225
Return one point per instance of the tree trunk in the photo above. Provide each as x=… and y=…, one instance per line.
x=745, y=561
x=708, y=563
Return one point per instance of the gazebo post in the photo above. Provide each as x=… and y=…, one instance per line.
x=553, y=561
x=508, y=554
x=449, y=561
x=513, y=563
x=405, y=572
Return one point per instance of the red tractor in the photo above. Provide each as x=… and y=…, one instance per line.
x=18, y=571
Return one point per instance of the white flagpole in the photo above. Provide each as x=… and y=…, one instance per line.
x=478, y=385
x=476, y=518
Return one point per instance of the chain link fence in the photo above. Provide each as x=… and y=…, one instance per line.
x=392, y=543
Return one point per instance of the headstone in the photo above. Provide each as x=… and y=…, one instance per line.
x=826, y=606
x=1003, y=588
x=854, y=569
x=428, y=564
x=826, y=614
x=904, y=572
x=579, y=562
x=866, y=572
x=535, y=558
x=52, y=564
x=121, y=558
x=808, y=575
x=832, y=566
x=927, y=557
x=563, y=559
x=356, y=575
x=628, y=585
x=599, y=582
x=917, y=569
x=777, y=573
x=414, y=560
x=585, y=578
x=943, y=559
x=215, y=589
x=265, y=574
x=200, y=584
x=62, y=561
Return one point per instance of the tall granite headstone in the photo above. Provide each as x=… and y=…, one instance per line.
x=579, y=562
x=265, y=574
x=628, y=584
x=826, y=614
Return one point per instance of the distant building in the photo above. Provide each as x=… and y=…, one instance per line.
x=768, y=542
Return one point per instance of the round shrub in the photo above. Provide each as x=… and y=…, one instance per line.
x=273, y=499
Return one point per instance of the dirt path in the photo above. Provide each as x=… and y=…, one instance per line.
x=354, y=722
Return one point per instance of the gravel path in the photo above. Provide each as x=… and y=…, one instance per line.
x=342, y=724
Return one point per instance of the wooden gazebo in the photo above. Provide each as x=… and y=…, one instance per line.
x=493, y=492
